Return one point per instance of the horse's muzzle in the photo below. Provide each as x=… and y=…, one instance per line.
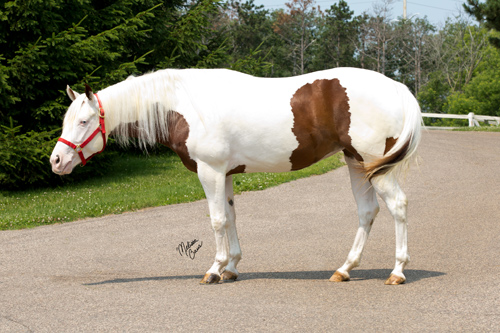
x=60, y=166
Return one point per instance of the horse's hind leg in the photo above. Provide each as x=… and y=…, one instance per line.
x=232, y=242
x=368, y=208
x=389, y=190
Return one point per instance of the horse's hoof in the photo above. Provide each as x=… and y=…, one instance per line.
x=394, y=280
x=210, y=278
x=339, y=277
x=228, y=276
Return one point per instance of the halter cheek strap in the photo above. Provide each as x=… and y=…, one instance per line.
x=101, y=128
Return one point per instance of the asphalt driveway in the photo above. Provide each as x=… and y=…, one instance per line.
x=124, y=272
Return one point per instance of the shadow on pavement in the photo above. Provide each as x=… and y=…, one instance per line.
x=412, y=275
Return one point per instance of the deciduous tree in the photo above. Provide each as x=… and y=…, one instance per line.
x=336, y=46
x=296, y=26
x=376, y=37
x=412, y=49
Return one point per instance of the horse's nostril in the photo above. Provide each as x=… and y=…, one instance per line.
x=58, y=160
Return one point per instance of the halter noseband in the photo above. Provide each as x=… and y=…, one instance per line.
x=101, y=128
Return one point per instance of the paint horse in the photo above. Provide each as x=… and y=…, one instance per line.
x=222, y=122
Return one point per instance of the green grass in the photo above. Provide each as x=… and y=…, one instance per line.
x=132, y=183
x=479, y=129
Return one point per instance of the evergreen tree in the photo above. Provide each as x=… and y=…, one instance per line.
x=250, y=28
x=45, y=45
x=49, y=44
x=248, y=37
x=487, y=12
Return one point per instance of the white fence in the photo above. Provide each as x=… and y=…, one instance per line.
x=473, y=119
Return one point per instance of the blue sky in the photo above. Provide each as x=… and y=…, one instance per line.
x=436, y=10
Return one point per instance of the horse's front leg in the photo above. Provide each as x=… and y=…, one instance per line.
x=214, y=185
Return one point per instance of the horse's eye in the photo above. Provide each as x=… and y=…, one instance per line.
x=83, y=122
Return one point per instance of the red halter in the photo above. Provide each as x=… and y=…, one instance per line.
x=101, y=128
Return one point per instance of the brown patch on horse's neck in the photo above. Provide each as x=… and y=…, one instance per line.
x=321, y=122
x=178, y=132
x=132, y=129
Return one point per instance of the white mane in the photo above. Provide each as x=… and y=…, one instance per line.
x=140, y=104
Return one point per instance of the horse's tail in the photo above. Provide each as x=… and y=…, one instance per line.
x=404, y=150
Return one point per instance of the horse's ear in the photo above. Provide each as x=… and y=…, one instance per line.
x=88, y=92
x=72, y=95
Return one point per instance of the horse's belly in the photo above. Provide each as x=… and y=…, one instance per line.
x=285, y=165
x=283, y=155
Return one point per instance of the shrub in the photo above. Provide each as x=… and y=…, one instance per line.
x=24, y=160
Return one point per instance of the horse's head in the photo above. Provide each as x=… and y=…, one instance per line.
x=79, y=140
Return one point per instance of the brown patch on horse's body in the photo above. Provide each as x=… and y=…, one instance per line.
x=321, y=122
x=350, y=155
x=178, y=133
x=238, y=169
x=389, y=143
x=384, y=164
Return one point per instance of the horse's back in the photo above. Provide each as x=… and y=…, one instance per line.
x=283, y=124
